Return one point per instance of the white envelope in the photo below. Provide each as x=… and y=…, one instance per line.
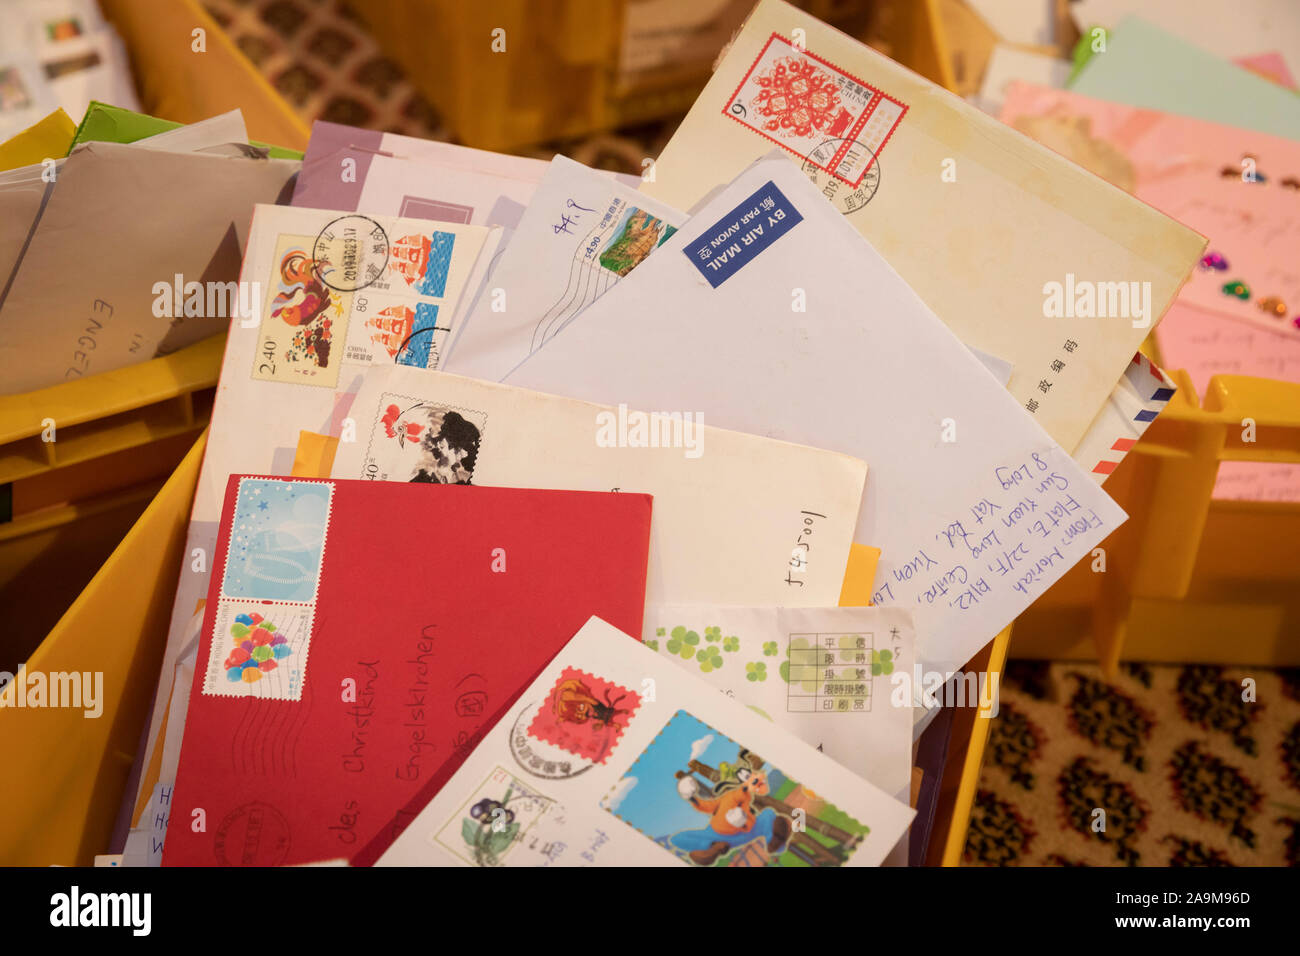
x=615, y=757
x=825, y=674
x=582, y=233
x=730, y=510
x=769, y=314
x=987, y=226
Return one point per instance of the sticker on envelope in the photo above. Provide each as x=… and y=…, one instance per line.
x=736, y=239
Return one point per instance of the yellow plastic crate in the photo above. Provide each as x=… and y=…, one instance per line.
x=65, y=504
x=571, y=67
x=71, y=772
x=1188, y=578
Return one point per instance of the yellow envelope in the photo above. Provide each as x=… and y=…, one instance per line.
x=1023, y=254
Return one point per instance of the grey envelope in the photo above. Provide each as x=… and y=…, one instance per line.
x=120, y=219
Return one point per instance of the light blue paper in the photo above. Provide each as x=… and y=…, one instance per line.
x=1146, y=67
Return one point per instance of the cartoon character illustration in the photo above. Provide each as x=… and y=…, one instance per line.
x=733, y=820
x=574, y=702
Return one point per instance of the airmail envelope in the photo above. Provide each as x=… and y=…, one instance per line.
x=359, y=637
x=738, y=519
x=769, y=314
x=984, y=224
x=616, y=757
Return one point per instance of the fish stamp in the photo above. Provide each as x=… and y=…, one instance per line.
x=802, y=102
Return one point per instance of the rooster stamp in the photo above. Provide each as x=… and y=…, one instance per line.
x=304, y=321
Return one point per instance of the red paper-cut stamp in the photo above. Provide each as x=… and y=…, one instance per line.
x=584, y=714
x=800, y=102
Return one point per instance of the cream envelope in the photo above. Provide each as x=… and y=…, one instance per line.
x=737, y=519
x=311, y=267
x=978, y=220
x=582, y=233
x=976, y=510
x=616, y=757
x=83, y=300
x=828, y=675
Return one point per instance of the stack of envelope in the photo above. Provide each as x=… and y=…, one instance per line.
x=750, y=456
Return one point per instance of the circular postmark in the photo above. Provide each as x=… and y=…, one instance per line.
x=845, y=197
x=256, y=834
x=539, y=758
x=351, y=253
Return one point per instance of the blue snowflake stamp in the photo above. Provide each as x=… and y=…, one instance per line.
x=277, y=540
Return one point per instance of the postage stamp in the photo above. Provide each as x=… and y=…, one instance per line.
x=499, y=820
x=800, y=101
x=413, y=440
x=303, y=320
x=277, y=539
x=386, y=329
x=537, y=757
x=712, y=802
x=259, y=649
x=584, y=714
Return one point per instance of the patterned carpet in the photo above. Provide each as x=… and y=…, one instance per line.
x=1187, y=773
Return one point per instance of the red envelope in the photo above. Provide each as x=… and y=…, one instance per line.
x=360, y=636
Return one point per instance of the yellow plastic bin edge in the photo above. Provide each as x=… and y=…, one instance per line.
x=955, y=844
x=69, y=770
